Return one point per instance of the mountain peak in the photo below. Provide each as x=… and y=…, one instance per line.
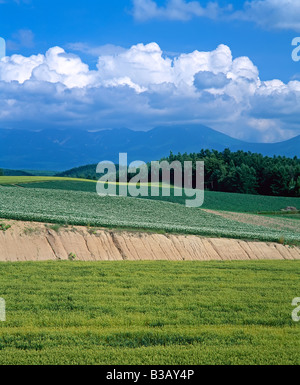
x=60, y=149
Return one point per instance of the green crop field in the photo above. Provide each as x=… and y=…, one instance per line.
x=19, y=180
x=86, y=208
x=150, y=313
x=213, y=200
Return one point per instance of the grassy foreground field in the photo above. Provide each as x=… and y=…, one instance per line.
x=149, y=313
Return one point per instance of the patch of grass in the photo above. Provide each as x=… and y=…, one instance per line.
x=72, y=257
x=293, y=243
x=92, y=230
x=283, y=241
x=31, y=231
x=4, y=227
x=55, y=227
x=160, y=313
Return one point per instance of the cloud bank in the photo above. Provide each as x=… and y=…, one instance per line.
x=141, y=87
x=175, y=10
x=270, y=14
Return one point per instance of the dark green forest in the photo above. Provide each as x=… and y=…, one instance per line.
x=247, y=173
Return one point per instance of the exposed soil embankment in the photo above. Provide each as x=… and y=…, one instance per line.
x=26, y=241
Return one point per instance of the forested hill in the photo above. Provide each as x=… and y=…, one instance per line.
x=83, y=172
x=246, y=172
x=241, y=172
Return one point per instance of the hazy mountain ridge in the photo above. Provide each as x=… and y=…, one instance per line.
x=64, y=149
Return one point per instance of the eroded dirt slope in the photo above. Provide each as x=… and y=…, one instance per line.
x=26, y=241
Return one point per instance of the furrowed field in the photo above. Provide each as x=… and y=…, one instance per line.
x=213, y=200
x=150, y=313
x=89, y=209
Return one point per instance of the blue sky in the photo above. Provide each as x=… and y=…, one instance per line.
x=110, y=22
x=260, y=30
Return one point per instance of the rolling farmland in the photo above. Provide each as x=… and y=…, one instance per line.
x=149, y=186
x=72, y=312
x=213, y=200
x=89, y=209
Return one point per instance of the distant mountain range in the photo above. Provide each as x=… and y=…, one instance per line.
x=63, y=149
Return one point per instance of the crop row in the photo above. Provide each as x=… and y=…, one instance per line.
x=213, y=200
x=84, y=208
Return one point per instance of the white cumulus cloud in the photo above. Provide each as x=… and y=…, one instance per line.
x=141, y=87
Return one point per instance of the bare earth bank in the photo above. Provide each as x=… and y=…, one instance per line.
x=27, y=241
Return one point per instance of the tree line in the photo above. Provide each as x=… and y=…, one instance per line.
x=246, y=172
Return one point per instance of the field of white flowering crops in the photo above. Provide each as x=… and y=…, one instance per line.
x=86, y=208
